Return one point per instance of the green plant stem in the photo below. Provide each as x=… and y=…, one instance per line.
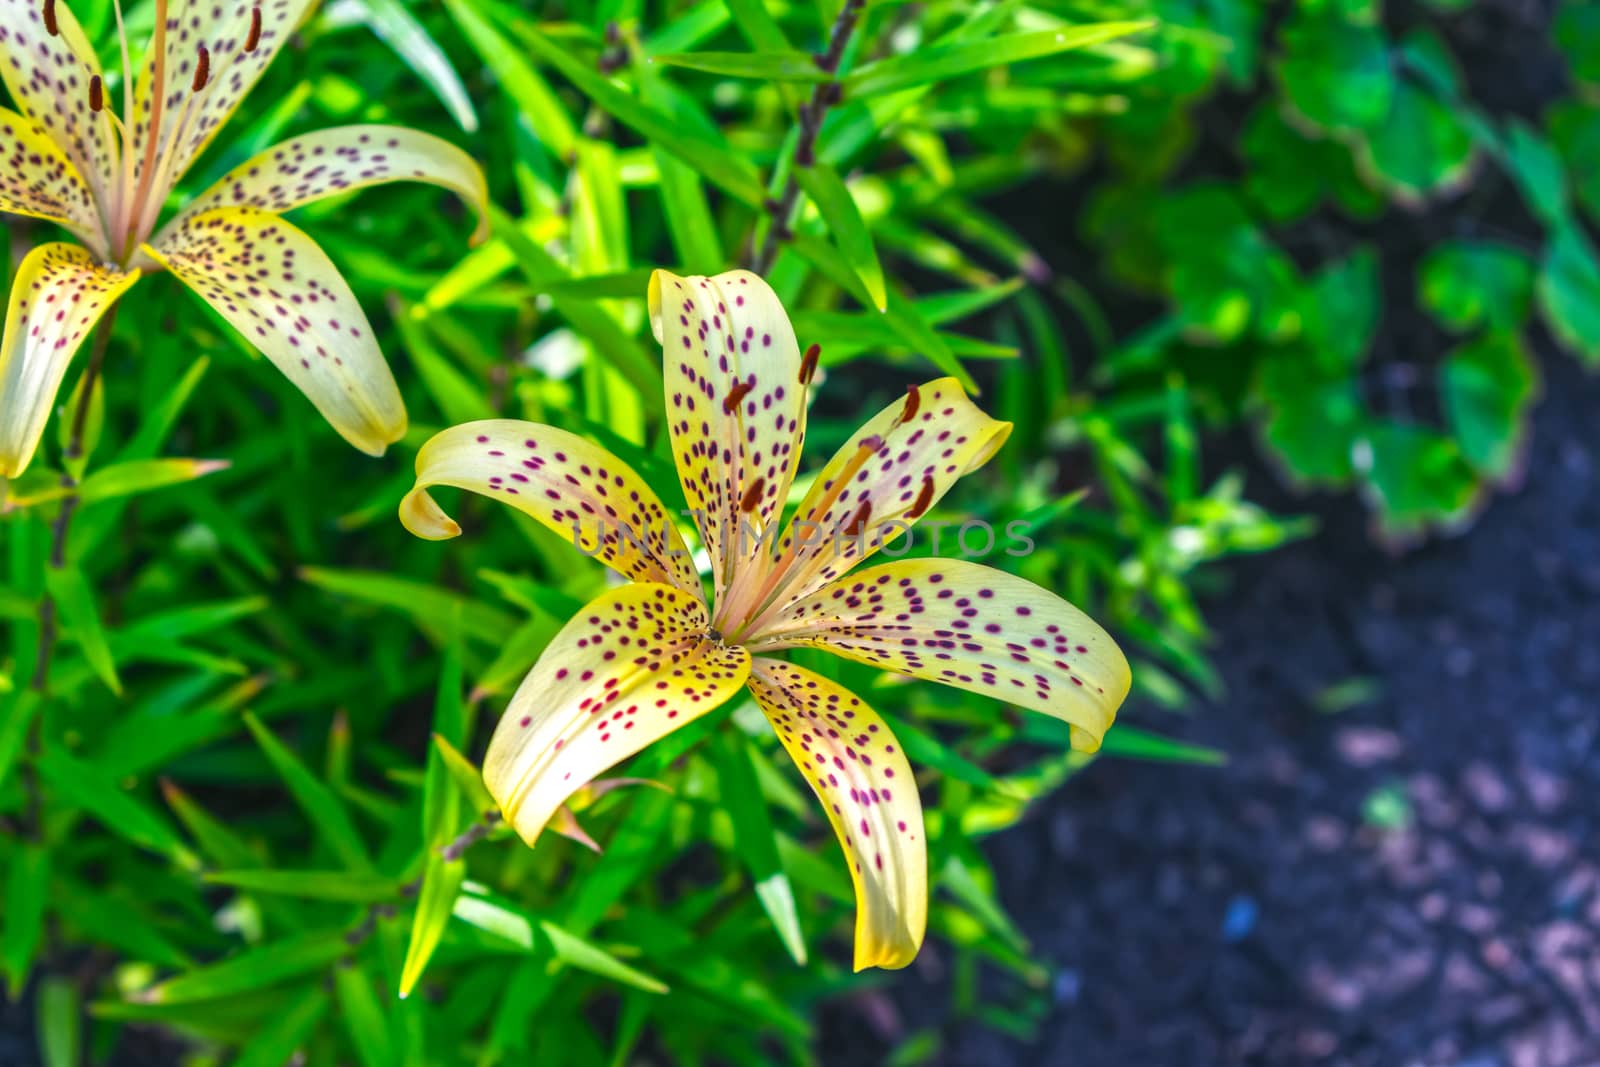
x=59, y=531
x=780, y=209
x=450, y=852
x=69, y=504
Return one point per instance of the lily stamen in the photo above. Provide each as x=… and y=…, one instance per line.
x=202, y=71
x=253, y=38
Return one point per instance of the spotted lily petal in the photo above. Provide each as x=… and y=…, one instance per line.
x=632, y=667
x=37, y=179
x=338, y=160
x=857, y=769
x=735, y=404
x=59, y=293
x=225, y=28
x=48, y=75
x=885, y=478
x=576, y=488
x=287, y=298
x=971, y=627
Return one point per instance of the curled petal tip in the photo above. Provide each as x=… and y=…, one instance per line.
x=426, y=519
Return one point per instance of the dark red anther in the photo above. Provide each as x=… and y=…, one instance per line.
x=202, y=69
x=924, y=500
x=859, y=519
x=752, y=495
x=913, y=402
x=50, y=18
x=253, y=38
x=730, y=403
x=97, y=94
x=808, y=363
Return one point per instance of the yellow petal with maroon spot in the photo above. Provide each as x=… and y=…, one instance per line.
x=48, y=75
x=735, y=405
x=571, y=485
x=629, y=669
x=225, y=28
x=286, y=297
x=884, y=479
x=852, y=762
x=59, y=294
x=37, y=179
x=337, y=160
x=971, y=627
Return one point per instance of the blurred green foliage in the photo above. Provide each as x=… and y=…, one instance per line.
x=1276, y=280
x=226, y=816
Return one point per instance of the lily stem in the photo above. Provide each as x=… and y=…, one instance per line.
x=780, y=209
x=48, y=628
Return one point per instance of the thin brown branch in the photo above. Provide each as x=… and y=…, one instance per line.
x=780, y=209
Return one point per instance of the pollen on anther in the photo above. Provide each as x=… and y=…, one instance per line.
x=202, y=69
x=808, y=363
x=253, y=38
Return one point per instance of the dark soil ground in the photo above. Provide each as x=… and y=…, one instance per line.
x=1410, y=882
x=1255, y=914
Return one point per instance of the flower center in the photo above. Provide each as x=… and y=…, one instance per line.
x=149, y=150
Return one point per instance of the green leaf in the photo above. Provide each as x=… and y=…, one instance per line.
x=459, y=398
x=253, y=969
x=60, y=1021
x=363, y=1016
x=1577, y=31
x=136, y=476
x=429, y=606
x=1536, y=168
x=1335, y=74
x=93, y=426
x=313, y=885
x=467, y=777
x=843, y=219
x=716, y=164
x=1420, y=147
x=1569, y=293
x=1343, y=302
x=1417, y=478
x=1312, y=418
x=441, y=882
x=939, y=62
x=155, y=424
x=754, y=837
x=683, y=200
x=17, y=709
x=587, y=317
x=400, y=30
x=784, y=66
x=27, y=891
x=1575, y=131
x=322, y=807
x=586, y=956
x=278, y=1042
x=535, y=100
x=1466, y=284
x=75, y=600
x=1130, y=742
x=81, y=785
x=218, y=842
x=1488, y=386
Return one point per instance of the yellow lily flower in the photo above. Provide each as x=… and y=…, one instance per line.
x=647, y=657
x=70, y=159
